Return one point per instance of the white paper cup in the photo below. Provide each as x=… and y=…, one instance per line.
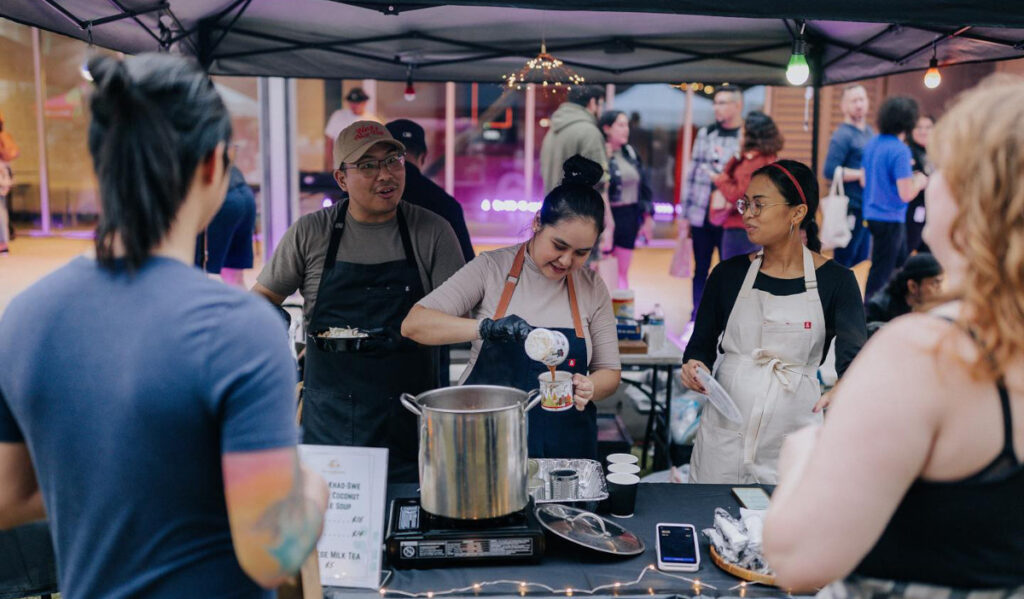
x=622, y=458
x=623, y=468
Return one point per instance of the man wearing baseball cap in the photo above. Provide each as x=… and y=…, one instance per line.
x=355, y=110
x=362, y=264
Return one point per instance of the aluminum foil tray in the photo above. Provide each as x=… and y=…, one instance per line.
x=592, y=487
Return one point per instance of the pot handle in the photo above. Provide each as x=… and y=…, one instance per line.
x=409, y=402
x=532, y=399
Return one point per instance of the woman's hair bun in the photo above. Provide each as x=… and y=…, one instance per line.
x=581, y=171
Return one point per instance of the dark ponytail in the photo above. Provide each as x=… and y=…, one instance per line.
x=155, y=117
x=808, y=187
x=576, y=196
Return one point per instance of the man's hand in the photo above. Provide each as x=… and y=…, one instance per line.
x=510, y=328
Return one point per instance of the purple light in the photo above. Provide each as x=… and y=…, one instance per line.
x=327, y=202
x=496, y=205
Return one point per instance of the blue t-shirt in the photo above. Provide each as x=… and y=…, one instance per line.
x=886, y=160
x=846, y=149
x=127, y=389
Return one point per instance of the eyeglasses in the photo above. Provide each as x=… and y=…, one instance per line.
x=755, y=208
x=371, y=168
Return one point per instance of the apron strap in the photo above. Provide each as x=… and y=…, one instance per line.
x=512, y=279
x=336, y=231
x=810, y=277
x=748, y=281
x=403, y=230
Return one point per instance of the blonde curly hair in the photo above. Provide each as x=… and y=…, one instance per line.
x=979, y=146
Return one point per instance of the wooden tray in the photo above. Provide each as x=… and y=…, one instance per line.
x=630, y=346
x=738, y=572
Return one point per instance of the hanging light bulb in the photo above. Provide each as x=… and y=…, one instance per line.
x=932, y=77
x=797, y=71
x=410, y=91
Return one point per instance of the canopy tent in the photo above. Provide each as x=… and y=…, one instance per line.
x=606, y=41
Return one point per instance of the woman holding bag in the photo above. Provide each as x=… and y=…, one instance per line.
x=761, y=143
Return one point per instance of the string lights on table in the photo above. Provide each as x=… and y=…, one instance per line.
x=523, y=587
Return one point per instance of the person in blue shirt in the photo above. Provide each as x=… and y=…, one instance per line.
x=889, y=184
x=845, y=152
x=149, y=408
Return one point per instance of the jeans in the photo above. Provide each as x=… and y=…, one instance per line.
x=735, y=243
x=705, y=240
x=859, y=247
x=888, y=252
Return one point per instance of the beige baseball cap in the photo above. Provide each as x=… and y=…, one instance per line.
x=356, y=139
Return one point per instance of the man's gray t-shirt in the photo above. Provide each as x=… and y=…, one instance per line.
x=298, y=261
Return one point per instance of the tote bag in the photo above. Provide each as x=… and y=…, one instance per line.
x=835, y=228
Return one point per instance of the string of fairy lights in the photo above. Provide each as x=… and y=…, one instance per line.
x=523, y=587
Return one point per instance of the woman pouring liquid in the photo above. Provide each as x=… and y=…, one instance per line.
x=539, y=283
x=771, y=315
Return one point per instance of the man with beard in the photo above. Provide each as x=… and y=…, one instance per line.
x=363, y=263
x=845, y=151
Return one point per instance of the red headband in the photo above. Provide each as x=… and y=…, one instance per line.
x=799, y=190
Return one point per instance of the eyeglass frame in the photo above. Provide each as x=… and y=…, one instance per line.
x=377, y=164
x=741, y=203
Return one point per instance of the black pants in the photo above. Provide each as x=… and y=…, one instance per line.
x=705, y=240
x=888, y=252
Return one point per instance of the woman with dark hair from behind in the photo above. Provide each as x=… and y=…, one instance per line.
x=913, y=487
x=774, y=314
x=553, y=290
x=626, y=189
x=912, y=288
x=917, y=141
x=761, y=144
x=130, y=379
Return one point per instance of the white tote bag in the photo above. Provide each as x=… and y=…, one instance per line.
x=835, y=227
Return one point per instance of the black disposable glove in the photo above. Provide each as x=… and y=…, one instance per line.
x=510, y=328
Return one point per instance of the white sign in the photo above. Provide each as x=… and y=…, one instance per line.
x=349, y=549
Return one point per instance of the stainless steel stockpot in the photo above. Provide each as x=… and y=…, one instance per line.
x=473, y=451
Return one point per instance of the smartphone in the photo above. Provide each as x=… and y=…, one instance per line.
x=677, y=547
x=752, y=498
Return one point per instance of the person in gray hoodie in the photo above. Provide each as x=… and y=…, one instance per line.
x=574, y=131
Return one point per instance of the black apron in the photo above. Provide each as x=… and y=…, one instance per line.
x=352, y=398
x=567, y=434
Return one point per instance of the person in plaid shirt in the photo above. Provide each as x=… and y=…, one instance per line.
x=715, y=145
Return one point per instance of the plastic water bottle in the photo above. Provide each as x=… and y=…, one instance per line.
x=656, y=330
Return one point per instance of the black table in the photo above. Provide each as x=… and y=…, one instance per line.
x=27, y=564
x=567, y=566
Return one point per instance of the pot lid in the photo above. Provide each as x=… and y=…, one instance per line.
x=588, y=529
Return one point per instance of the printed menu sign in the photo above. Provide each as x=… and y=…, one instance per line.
x=349, y=550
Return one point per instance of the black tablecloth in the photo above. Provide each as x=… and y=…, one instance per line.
x=568, y=566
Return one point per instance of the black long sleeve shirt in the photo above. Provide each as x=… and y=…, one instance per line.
x=840, y=299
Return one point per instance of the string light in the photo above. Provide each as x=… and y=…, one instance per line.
x=545, y=70
x=797, y=71
x=524, y=586
x=932, y=77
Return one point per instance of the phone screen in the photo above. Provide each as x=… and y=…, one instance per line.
x=677, y=544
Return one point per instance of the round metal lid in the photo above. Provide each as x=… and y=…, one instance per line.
x=588, y=529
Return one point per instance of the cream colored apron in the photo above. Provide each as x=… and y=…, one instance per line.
x=772, y=347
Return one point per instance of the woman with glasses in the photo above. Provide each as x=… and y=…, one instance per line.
x=764, y=324
x=362, y=264
x=498, y=298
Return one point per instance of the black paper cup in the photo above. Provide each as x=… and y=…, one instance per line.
x=622, y=494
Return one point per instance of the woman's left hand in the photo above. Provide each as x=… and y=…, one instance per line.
x=824, y=402
x=583, y=391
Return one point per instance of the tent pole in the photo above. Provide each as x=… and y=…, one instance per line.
x=529, y=142
x=279, y=188
x=684, y=158
x=44, y=175
x=818, y=76
x=449, y=137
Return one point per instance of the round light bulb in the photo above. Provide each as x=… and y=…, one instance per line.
x=797, y=71
x=410, y=93
x=84, y=70
x=932, y=78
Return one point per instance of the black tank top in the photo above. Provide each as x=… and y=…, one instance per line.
x=965, y=534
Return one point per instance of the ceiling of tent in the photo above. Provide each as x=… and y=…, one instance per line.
x=611, y=41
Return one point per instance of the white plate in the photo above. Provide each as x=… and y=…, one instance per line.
x=718, y=397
